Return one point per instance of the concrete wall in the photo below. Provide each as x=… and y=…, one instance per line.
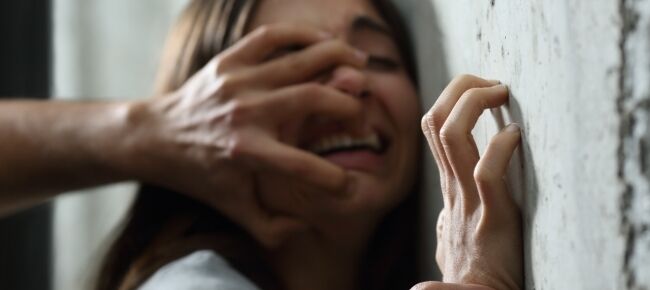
x=579, y=73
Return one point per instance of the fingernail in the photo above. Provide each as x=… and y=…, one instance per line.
x=513, y=128
x=361, y=55
x=494, y=82
x=325, y=35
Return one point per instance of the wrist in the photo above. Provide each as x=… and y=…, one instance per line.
x=139, y=142
x=120, y=140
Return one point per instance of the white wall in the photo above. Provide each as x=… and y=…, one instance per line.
x=103, y=50
x=580, y=88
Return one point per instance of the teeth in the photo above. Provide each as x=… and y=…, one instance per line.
x=331, y=143
x=374, y=141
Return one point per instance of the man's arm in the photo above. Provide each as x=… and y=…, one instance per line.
x=51, y=147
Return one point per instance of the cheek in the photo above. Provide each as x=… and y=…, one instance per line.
x=399, y=96
x=402, y=105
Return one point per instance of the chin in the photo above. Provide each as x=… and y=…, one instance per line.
x=375, y=196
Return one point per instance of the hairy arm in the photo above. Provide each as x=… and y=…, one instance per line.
x=48, y=147
x=207, y=140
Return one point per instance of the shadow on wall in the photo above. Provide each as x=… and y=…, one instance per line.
x=524, y=186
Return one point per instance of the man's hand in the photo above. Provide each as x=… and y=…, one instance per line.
x=227, y=123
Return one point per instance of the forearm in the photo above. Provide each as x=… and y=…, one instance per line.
x=50, y=147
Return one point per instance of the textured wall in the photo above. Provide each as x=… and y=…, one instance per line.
x=634, y=160
x=580, y=80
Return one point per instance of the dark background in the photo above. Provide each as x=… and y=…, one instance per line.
x=25, y=71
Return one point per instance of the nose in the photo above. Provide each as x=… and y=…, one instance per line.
x=349, y=80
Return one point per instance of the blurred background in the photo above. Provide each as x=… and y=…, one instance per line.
x=74, y=50
x=102, y=50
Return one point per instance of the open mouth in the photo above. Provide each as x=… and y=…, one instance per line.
x=344, y=142
x=352, y=146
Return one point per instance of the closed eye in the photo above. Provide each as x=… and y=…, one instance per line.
x=383, y=64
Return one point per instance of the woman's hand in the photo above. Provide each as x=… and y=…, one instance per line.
x=235, y=118
x=479, y=229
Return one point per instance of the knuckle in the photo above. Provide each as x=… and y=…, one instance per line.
x=312, y=90
x=424, y=123
x=465, y=78
x=475, y=96
x=338, y=49
x=229, y=84
x=450, y=136
x=239, y=112
x=266, y=33
x=472, y=93
x=428, y=124
x=237, y=146
x=221, y=65
x=484, y=175
x=437, y=119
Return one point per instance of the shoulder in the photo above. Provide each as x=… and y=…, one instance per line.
x=201, y=270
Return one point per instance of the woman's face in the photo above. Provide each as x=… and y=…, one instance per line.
x=383, y=175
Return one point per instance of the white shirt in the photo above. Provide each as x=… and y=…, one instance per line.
x=201, y=270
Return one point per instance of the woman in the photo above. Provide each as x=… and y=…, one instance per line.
x=313, y=109
x=302, y=134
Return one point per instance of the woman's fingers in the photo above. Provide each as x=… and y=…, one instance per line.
x=456, y=135
x=307, y=63
x=492, y=167
x=485, y=220
x=264, y=41
x=436, y=118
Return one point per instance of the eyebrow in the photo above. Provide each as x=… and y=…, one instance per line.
x=365, y=22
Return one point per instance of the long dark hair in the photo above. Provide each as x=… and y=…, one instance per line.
x=163, y=226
